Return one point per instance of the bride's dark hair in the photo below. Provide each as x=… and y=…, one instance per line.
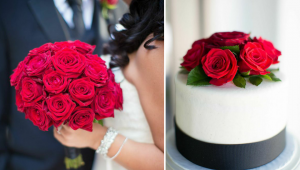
x=144, y=17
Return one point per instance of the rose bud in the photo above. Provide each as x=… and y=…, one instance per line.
x=220, y=65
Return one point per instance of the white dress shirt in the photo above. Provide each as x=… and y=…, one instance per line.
x=66, y=12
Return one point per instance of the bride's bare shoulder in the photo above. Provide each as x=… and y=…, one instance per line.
x=145, y=62
x=146, y=72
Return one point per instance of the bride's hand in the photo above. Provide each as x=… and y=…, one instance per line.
x=80, y=138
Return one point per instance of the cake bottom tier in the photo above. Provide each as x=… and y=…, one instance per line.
x=226, y=156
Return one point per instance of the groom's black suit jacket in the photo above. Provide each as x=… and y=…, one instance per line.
x=24, y=25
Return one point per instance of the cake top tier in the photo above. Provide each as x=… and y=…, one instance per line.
x=230, y=56
x=231, y=115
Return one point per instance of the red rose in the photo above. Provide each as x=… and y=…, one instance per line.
x=19, y=102
x=201, y=41
x=83, y=47
x=110, y=2
x=80, y=47
x=42, y=49
x=96, y=71
x=82, y=91
x=17, y=76
x=269, y=48
x=60, y=108
x=35, y=65
x=228, y=38
x=31, y=91
x=57, y=46
x=95, y=58
x=255, y=59
x=193, y=56
x=55, y=82
x=220, y=65
x=38, y=115
x=117, y=90
x=111, y=76
x=82, y=117
x=69, y=63
x=119, y=96
x=104, y=102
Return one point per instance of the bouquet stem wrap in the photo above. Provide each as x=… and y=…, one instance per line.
x=73, y=159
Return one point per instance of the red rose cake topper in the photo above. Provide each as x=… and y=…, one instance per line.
x=230, y=56
x=65, y=83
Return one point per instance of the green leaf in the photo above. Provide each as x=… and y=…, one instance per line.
x=234, y=49
x=273, y=69
x=273, y=77
x=98, y=121
x=246, y=73
x=239, y=81
x=197, y=77
x=266, y=77
x=255, y=80
x=183, y=70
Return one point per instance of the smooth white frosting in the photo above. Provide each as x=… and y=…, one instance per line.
x=231, y=115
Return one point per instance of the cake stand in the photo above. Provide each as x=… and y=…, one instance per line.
x=289, y=159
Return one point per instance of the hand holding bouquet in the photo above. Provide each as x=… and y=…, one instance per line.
x=64, y=83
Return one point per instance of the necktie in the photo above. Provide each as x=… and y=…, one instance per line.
x=77, y=17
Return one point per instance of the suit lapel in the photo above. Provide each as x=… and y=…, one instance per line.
x=47, y=16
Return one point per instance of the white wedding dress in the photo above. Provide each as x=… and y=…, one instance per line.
x=130, y=122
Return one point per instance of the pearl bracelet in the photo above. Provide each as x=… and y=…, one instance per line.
x=108, y=139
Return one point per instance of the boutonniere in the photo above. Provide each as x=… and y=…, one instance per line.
x=108, y=5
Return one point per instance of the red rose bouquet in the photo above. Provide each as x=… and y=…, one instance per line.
x=64, y=83
x=230, y=56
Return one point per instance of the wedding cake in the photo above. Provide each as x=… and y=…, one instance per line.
x=220, y=125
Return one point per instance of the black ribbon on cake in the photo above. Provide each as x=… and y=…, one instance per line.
x=231, y=157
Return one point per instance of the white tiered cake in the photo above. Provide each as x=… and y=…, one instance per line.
x=230, y=123
x=228, y=127
x=231, y=115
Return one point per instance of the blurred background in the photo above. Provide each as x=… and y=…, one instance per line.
x=274, y=20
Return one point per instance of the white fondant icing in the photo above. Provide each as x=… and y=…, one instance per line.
x=231, y=115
